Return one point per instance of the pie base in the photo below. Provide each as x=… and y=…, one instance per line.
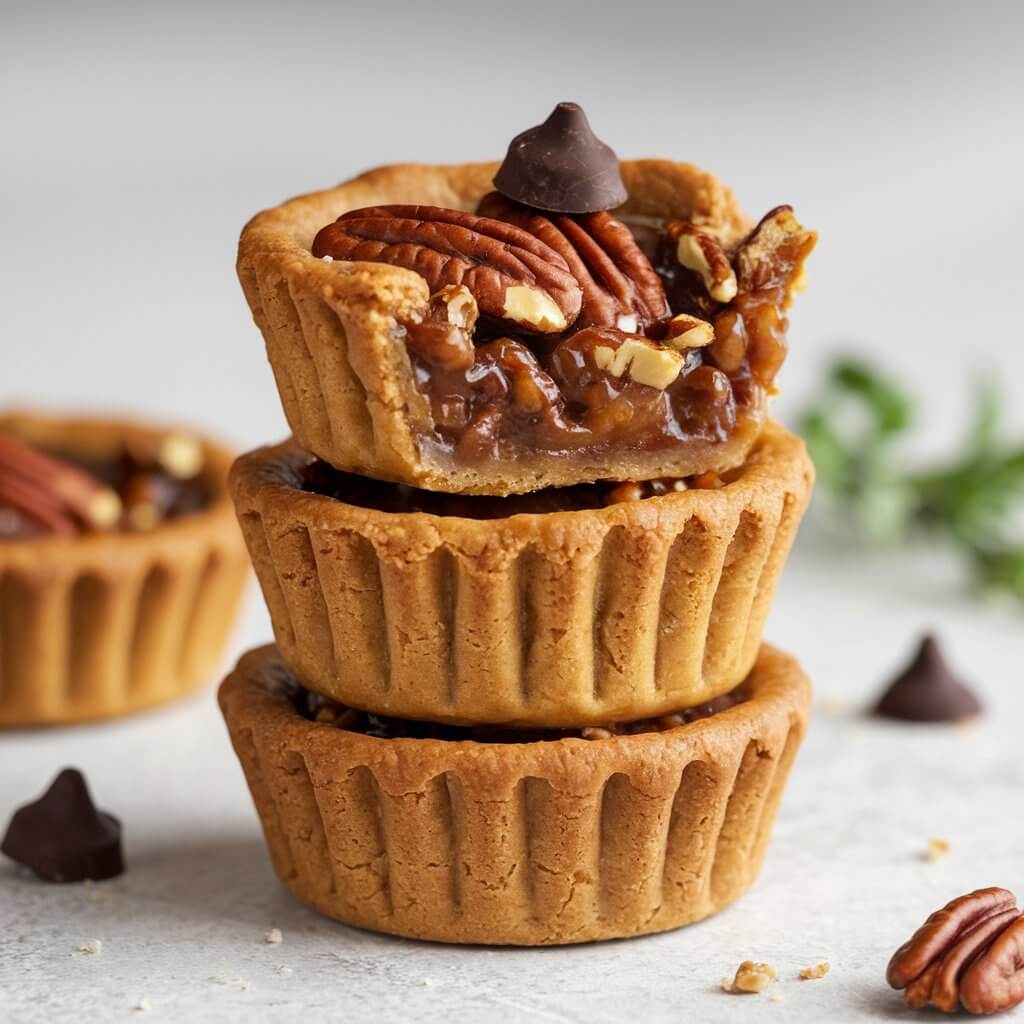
x=560, y=619
x=529, y=844
x=105, y=624
x=340, y=360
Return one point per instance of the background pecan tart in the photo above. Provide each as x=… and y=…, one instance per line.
x=484, y=352
x=104, y=613
x=553, y=609
x=536, y=843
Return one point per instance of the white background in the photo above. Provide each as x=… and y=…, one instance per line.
x=137, y=139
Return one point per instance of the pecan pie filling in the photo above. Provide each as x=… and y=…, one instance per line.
x=322, y=709
x=568, y=333
x=319, y=477
x=48, y=491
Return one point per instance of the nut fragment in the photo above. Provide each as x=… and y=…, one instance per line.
x=816, y=971
x=649, y=364
x=444, y=335
x=685, y=331
x=936, y=849
x=971, y=952
x=704, y=255
x=750, y=977
x=460, y=307
x=451, y=247
x=533, y=308
x=771, y=259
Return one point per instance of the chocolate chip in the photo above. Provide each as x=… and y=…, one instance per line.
x=63, y=837
x=927, y=690
x=562, y=166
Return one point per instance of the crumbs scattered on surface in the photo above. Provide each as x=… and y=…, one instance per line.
x=817, y=971
x=936, y=850
x=93, y=947
x=775, y=996
x=229, y=978
x=273, y=937
x=429, y=982
x=283, y=970
x=750, y=977
x=143, y=1006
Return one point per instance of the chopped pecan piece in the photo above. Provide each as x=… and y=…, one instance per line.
x=750, y=977
x=444, y=335
x=703, y=254
x=770, y=262
x=685, y=331
x=698, y=276
x=645, y=362
x=514, y=277
x=620, y=287
x=970, y=953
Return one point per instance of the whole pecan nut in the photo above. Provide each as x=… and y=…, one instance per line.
x=514, y=277
x=620, y=287
x=969, y=953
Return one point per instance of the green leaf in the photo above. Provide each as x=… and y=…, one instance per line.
x=890, y=407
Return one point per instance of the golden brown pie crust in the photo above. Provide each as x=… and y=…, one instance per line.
x=539, y=843
x=105, y=624
x=562, y=619
x=340, y=361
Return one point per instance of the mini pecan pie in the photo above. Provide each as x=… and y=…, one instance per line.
x=427, y=330
x=553, y=609
x=531, y=843
x=121, y=566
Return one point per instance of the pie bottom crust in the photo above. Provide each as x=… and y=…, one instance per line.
x=542, y=843
x=555, y=619
x=100, y=625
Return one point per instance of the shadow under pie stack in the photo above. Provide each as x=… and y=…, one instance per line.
x=519, y=553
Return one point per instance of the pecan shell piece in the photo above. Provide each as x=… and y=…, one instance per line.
x=620, y=287
x=941, y=930
x=514, y=277
x=995, y=981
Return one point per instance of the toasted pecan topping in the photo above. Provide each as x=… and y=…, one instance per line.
x=513, y=275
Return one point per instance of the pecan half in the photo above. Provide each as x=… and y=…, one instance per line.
x=971, y=952
x=995, y=981
x=620, y=287
x=514, y=277
x=55, y=495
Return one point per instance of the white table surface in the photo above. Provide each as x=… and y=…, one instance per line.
x=137, y=140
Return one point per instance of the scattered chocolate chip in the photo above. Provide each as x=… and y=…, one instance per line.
x=63, y=837
x=927, y=690
x=562, y=166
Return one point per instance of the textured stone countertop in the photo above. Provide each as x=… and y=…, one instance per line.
x=140, y=138
x=845, y=879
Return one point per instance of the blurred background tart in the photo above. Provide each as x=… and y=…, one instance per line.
x=121, y=565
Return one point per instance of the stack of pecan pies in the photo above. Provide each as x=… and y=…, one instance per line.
x=521, y=548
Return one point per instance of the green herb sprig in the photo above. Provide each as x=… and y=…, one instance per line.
x=973, y=502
